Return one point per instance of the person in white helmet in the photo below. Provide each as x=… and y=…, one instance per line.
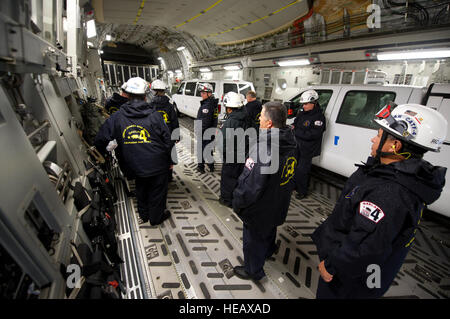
x=235, y=118
x=143, y=150
x=161, y=103
x=207, y=114
x=309, y=126
x=114, y=102
x=364, y=242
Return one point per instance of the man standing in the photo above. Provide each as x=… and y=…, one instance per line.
x=253, y=109
x=309, y=126
x=143, y=150
x=231, y=168
x=365, y=240
x=114, y=103
x=261, y=198
x=207, y=114
x=161, y=103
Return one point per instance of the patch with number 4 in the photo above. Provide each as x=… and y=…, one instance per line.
x=371, y=211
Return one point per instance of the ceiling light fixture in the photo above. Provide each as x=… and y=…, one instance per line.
x=293, y=62
x=205, y=69
x=90, y=29
x=108, y=37
x=419, y=54
x=181, y=48
x=232, y=67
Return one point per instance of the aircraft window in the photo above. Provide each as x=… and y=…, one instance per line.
x=324, y=98
x=197, y=93
x=229, y=87
x=190, y=88
x=180, y=90
x=360, y=107
x=244, y=88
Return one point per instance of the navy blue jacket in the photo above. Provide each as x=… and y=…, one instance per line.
x=114, y=103
x=162, y=105
x=262, y=200
x=309, y=127
x=208, y=113
x=253, y=110
x=234, y=120
x=143, y=139
x=374, y=222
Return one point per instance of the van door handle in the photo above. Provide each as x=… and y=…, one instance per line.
x=336, y=139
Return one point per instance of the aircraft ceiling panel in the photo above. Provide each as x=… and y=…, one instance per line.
x=214, y=20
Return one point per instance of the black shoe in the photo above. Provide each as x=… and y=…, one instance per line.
x=225, y=203
x=300, y=196
x=200, y=170
x=165, y=215
x=211, y=169
x=240, y=272
x=142, y=220
x=274, y=252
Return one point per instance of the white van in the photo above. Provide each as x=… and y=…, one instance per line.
x=187, y=98
x=349, y=111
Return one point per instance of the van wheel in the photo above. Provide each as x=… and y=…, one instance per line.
x=176, y=110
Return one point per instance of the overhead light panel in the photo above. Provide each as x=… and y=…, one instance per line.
x=178, y=71
x=90, y=29
x=181, y=48
x=108, y=37
x=409, y=55
x=205, y=69
x=233, y=67
x=296, y=62
x=64, y=23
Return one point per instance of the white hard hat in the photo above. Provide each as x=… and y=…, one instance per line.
x=233, y=99
x=309, y=96
x=124, y=86
x=158, y=85
x=136, y=86
x=205, y=87
x=416, y=124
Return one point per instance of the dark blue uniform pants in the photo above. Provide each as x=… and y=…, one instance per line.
x=257, y=247
x=228, y=182
x=201, y=163
x=302, y=175
x=151, y=194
